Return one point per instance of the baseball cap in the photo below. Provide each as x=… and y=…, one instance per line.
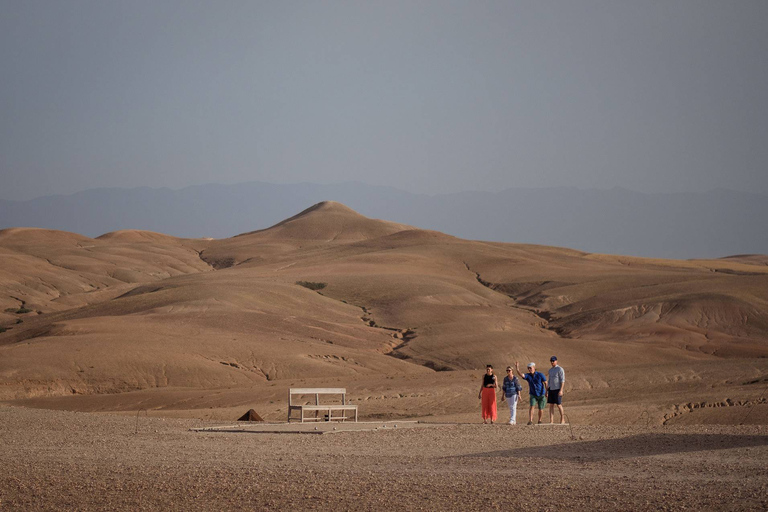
x=553, y=358
x=530, y=365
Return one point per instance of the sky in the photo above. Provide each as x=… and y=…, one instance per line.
x=427, y=96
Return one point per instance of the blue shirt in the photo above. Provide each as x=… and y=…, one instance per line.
x=510, y=386
x=536, y=383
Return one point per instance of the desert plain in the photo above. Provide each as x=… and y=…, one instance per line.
x=113, y=349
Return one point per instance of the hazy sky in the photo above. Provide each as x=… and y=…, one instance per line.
x=429, y=96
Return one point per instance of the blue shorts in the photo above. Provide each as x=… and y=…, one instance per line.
x=554, y=397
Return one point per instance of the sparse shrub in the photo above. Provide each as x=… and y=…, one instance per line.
x=19, y=321
x=10, y=310
x=311, y=285
x=23, y=310
x=3, y=329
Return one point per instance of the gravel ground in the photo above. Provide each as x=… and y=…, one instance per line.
x=55, y=460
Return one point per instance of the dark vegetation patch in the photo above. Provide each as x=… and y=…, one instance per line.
x=312, y=285
x=217, y=263
x=221, y=263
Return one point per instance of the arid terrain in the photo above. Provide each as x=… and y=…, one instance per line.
x=66, y=460
x=666, y=367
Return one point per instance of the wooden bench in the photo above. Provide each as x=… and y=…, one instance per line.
x=317, y=407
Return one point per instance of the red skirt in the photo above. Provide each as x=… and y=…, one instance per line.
x=489, y=404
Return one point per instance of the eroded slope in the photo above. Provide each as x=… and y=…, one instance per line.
x=135, y=311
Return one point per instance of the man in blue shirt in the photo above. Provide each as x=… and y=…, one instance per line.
x=537, y=384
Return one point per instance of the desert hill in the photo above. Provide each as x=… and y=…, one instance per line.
x=329, y=221
x=401, y=316
x=48, y=270
x=749, y=259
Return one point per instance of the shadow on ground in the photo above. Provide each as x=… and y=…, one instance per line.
x=642, y=445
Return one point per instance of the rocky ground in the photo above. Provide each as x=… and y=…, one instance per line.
x=59, y=459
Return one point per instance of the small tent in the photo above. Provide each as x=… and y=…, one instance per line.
x=250, y=416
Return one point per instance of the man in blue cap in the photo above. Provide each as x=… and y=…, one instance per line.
x=555, y=385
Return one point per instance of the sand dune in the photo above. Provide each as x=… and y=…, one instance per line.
x=397, y=314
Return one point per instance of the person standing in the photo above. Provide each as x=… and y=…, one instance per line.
x=511, y=387
x=555, y=390
x=488, y=395
x=537, y=385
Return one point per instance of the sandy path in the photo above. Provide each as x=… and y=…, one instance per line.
x=54, y=460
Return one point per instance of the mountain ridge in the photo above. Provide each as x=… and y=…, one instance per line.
x=616, y=221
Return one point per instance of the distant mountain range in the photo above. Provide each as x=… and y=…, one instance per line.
x=616, y=221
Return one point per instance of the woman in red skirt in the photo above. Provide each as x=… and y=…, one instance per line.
x=488, y=395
